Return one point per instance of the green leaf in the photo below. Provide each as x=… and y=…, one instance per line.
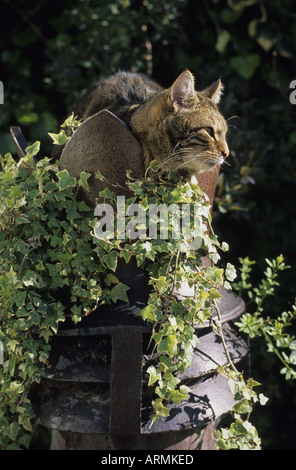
x=159, y=408
x=149, y=312
x=33, y=149
x=230, y=272
x=162, y=392
x=126, y=255
x=25, y=421
x=119, y=293
x=19, y=298
x=107, y=194
x=168, y=345
x=59, y=139
x=171, y=380
x=217, y=276
x=12, y=362
x=221, y=444
x=262, y=399
x=46, y=334
x=30, y=279
x=213, y=294
x=242, y=407
x=84, y=176
x=253, y=383
x=224, y=246
x=110, y=260
x=65, y=180
x=245, y=66
x=22, y=220
x=111, y=279
x=177, y=396
x=222, y=40
x=154, y=375
x=154, y=165
x=13, y=431
x=239, y=427
x=71, y=121
x=15, y=192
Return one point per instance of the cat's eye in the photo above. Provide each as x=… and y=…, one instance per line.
x=210, y=131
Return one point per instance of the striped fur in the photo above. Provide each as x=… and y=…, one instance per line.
x=179, y=127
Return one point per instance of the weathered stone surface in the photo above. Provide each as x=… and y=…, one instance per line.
x=103, y=142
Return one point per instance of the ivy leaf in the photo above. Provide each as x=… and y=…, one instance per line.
x=110, y=260
x=177, y=396
x=168, y=345
x=19, y=298
x=12, y=362
x=230, y=272
x=154, y=375
x=245, y=66
x=171, y=381
x=221, y=444
x=59, y=139
x=162, y=392
x=126, y=255
x=71, y=121
x=262, y=399
x=154, y=165
x=149, y=312
x=22, y=220
x=242, y=407
x=46, y=334
x=33, y=149
x=217, y=276
x=119, y=293
x=84, y=176
x=214, y=294
x=111, y=279
x=65, y=180
x=12, y=431
x=159, y=408
x=25, y=421
x=30, y=279
x=107, y=194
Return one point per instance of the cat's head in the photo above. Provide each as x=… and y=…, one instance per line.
x=195, y=127
x=182, y=128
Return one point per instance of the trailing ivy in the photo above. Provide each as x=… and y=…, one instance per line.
x=45, y=246
x=171, y=263
x=54, y=265
x=278, y=340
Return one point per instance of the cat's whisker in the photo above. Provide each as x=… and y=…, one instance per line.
x=212, y=157
x=232, y=117
x=177, y=154
x=226, y=163
x=234, y=127
x=193, y=157
x=176, y=147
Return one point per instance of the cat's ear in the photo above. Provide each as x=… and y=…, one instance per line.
x=214, y=91
x=182, y=92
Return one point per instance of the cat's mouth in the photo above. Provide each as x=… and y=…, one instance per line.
x=190, y=159
x=200, y=163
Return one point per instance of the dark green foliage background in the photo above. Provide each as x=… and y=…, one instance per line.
x=50, y=52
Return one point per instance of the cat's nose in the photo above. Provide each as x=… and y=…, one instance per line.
x=225, y=151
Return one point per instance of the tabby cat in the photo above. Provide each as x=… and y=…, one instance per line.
x=179, y=127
